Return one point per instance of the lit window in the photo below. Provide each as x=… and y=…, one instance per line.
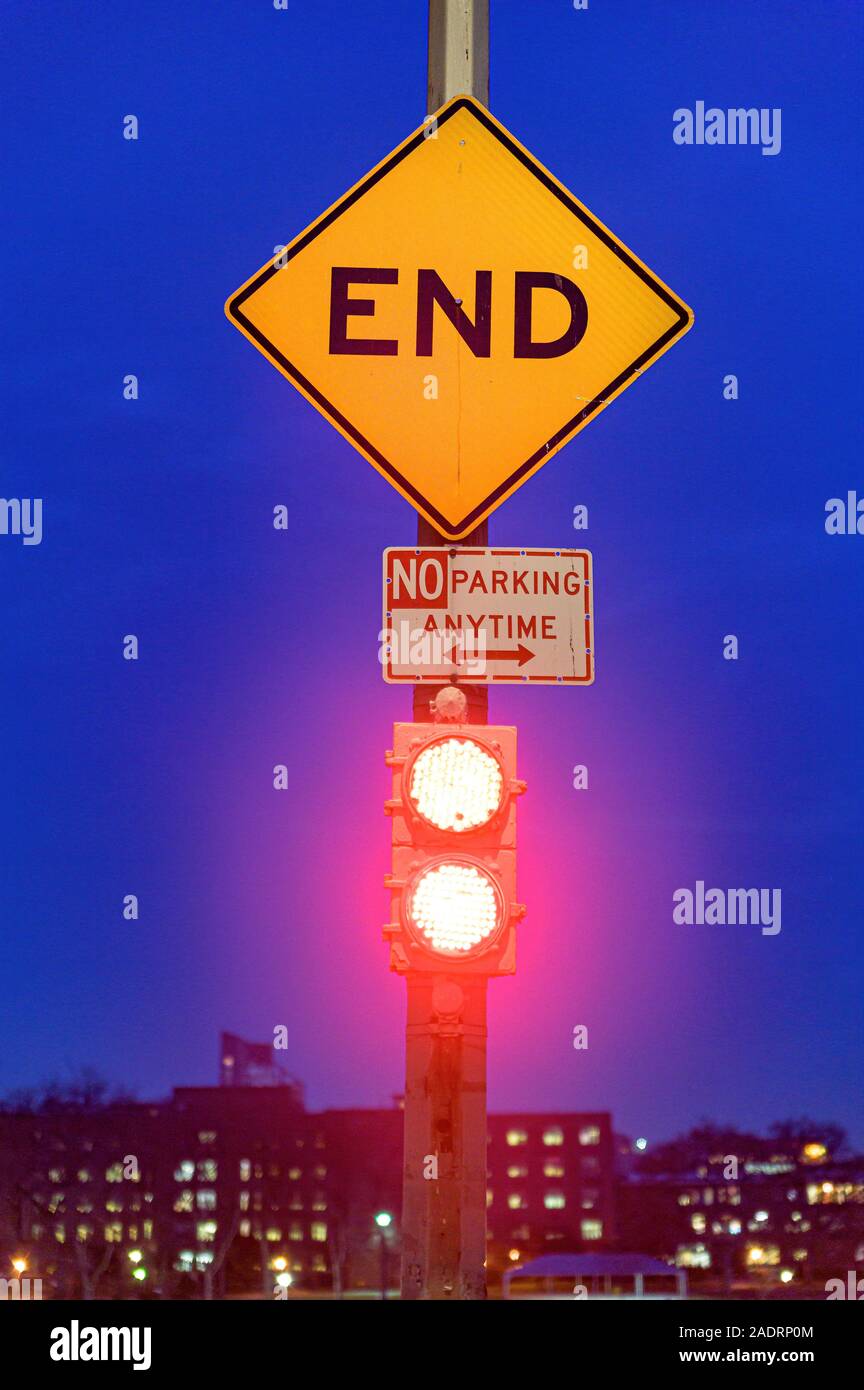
x=113, y=1231
x=83, y=1232
x=516, y=1136
x=206, y=1231
x=56, y=1174
x=591, y=1229
x=320, y=1202
x=693, y=1257
x=245, y=1170
x=245, y=1227
x=296, y=1231
x=554, y=1201
x=553, y=1137
x=114, y=1173
x=273, y=1233
x=517, y=1170
x=516, y=1201
x=697, y=1221
x=320, y=1171
x=589, y=1134
x=205, y=1199
x=185, y=1171
x=83, y=1175
x=295, y=1173
x=184, y=1200
x=590, y=1198
x=760, y=1255
x=318, y=1230
x=488, y=1196
x=206, y=1136
x=207, y=1169
x=553, y=1169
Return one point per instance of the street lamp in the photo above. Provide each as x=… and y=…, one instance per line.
x=383, y=1220
x=19, y=1264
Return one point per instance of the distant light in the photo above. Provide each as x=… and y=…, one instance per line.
x=383, y=1219
x=139, y=1272
x=760, y=1216
x=827, y=1187
x=284, y=1281
x=135, y=1256
x=19, y=1264
x=814, y=1153
x=641, y=1144
x=514, y=1254
x=280, y=1262
x=786, y=1276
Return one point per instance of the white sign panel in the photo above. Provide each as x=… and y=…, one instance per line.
x=487, y=615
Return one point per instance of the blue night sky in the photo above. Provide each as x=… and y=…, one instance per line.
x=259, y=647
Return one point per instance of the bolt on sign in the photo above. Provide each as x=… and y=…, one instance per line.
x=454, y=613
x=458, y=316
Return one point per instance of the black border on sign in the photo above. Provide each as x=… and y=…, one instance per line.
x=442, y=522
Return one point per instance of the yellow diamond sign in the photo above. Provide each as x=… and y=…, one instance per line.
x=458, y=316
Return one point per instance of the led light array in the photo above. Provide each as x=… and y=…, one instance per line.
x=456, y=785
x=454, y=907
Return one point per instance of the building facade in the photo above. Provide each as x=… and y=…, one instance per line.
x=221, y=1189
x=766, y=1216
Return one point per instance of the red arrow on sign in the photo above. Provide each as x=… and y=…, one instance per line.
x=521, y=654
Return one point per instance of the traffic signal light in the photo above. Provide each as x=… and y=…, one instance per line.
x=453, y=883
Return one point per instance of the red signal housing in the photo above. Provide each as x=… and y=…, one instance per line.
x=453, y=881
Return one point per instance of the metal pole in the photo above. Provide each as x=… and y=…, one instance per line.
x=458, y=51
x=444, y=1180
